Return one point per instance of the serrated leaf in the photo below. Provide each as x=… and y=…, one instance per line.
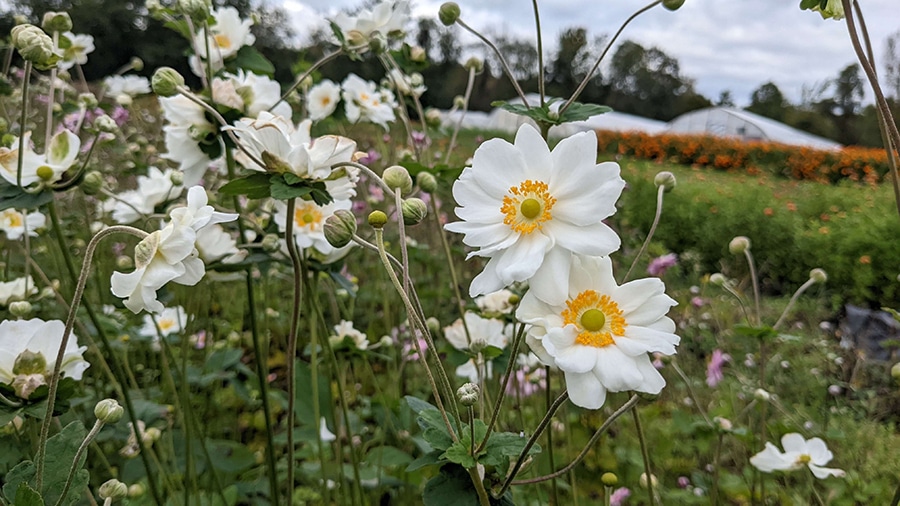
x=453, y=487
x=254, y=186
x=250, y=59
x=230, y=456
x=438, y=438
x=491, y=352
x=458, y=453
x=280, y=190
x=502, y=446
x=320, y=195
x=580, y=112
x=27, y=496
x=61, y=449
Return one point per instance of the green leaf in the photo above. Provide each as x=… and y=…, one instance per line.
x=338, y=33
x=230, y=456
x=539, y=114
x=430, y=458
x=12, y=196
x=180, y=26
x=418, y=405
x=251, y=60
x=27, y=496
x=453, y=487
x=220, y=360
x=761, y=333
x=503, y=445
x=254, y=186
x=580, y=112
x=458, y=453
x=281, y=189
x=438, y=438
x=61, y=450
x=491, y=352
x=304, y=391
x=385, y=456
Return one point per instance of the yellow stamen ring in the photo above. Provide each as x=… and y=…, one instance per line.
x=527, y=206
x=308, y=215
x=597, y=317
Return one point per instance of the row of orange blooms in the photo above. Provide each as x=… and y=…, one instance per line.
x=855, y=163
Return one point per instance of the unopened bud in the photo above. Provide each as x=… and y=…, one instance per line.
x=92, y=183
x=468, y=394
x=475, y=63
x=426, y=181
x=113, y=490
x=434, y=326
x=417, y=54
x=34, y=45
x=718, y=279
x=105, y=124
x=377, y=219
x=377, y=42
x=609, y=479
x=761, y=395
x=136, y=490
x=151, y=436
x=20, y=308
x=433, y=117
x=414, y=211
x=56, y=22
x=165, y=81
x=665, y=179
x=271, y=243
x=45, y=172
x=397, y=178
x=723, y=424
x=673, y=5
x=177, y=178
x=124, y=262
x=137, y=64
x=109, y=411
x=895, y=371
x=356, y=38
x=818, y=275
x=339, y=228
x=449, y=13
x=87, y=100
x=459, y=102
x=29, y=362
x=198, y=10
x=739, y=245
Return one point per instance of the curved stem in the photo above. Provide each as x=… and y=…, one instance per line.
x=67, y=332
x=470, y=84
x=26, y=77
x=322, y=61
x=51, y=98
x=514, y=350
x=645, y=454
x=755, y=282
x=502, y=60
x=81, y=449
x=659, y=203
x=587, y=77
x=292, y=336
x=74, y=179
x=540, y=51
x=809, y=282
x=687, y=383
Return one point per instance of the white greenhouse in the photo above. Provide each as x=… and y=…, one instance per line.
x=726, y=122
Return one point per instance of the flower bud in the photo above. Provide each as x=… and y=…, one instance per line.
x=414, y=211
x=673, y=5
x=34, y=45
x=136, y=490
x=146, y=250
x=723, y=424
x=165, y=81
x=426, y=181
x=761, y=395
x=113, y=489
x=475, y=63
x=137, y=64
x=609, y=479
x=739, y=245
x=92, y=183
x=151, y=436
x=20, y=308
x=339, y=228
x=45, y=173
x=433, y=324
x=643, y=480
x=30, y=362
x=417, y=54
x=108, y=411
x=818, y=275
x=87, y=100
x=177, y=178
x=432, y=117
x=377, y=219
x=895, y=371
x=718, y=279
x=356, y=38
x=397, y=178
x=468, y=394
x=56, y=22
x=449, y=13
x=665, y=179
x=271, y=243
x=124, y=262
x=377, y=42
x=105, y=124
x=459, y=102
x=196, y=9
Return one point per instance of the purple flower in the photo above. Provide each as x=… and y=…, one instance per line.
x=371, y=157
x=120, y=115
x=698, y=301
x=409, y=352
x=714, y=368
x=618, y=497
x=683, y=482
x=420, y=139
x=659, y=265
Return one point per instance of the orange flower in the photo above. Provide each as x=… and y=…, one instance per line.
x=865, y=259
x=791, y=206
x=768, y=211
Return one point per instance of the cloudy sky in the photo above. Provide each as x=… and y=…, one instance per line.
x=731, y=45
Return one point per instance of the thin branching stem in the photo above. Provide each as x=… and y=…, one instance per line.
x=470, y=84
x=659, y=203
x=292, y=336
x=322, y=61
x=75, y=467
x=754, y=280
x=540, y=51
x=809, y=282
x=503, y=63
x=514, y=351
x=645, y=454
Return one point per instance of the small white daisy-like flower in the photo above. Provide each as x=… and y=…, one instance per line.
x=13, y=223
x=363, y=101
x=79, y=47
x=528, y=209
x=17, y=289
x=385, y=18
x=322, y=99
x=186, y=128
x=345, y=329
x=483, y=332
x=28, y=350
x=309, y=225
x=227, y=35
x=496, y=302
x=152, y=190
x=798, y=453
x=170, y=321
x=130, y=85
x=602, y=334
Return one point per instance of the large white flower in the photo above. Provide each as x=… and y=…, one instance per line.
x=152, y=190
x=215, y=244
x=59, y=157
x=172, y=320
x=121, y=88
x=41, y=340
x=250, y=94
x=9, y=161
x=80, y=46
x=363, y=101
x=386, y=17
x=227, y=34
x=274, y=140
x=322, y=99
x=529, y=209
x=798, y=452
x=600, y=336
x=187, y=128
x=17, y=289
x=482, y=332
x=14, y=223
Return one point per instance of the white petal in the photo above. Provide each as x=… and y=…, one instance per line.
x=793, y=443
x=818, y=451
x=593, y=240
x=653, y=380
x=648, y=340
x=496, y=166
x=825, y=472
x=770, y=459
x=549, y=281
x=585, y=390
x=538, y=162
x=520, y=261
x=617, y=371
x=634, y=294
x=488, y=281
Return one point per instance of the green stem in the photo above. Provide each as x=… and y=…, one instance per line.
x=540, y=51
x=755, y=281
x=514, y=350
x=553, y=488
x=500, y=58
x=322, y=61
x=809, y=282
x=435, y=211
x=645, y=454
x=292, y=338
x=659, y=203
x=75, y=467
x=26, y=77
x=714, y=493
x=462, y=114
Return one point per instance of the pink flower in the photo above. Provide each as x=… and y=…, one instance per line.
x=409, y=352
x=714, y=368
x=618, y=497
x=698, y=301
x=683, y=482
x=371, y=157
x=659, y=265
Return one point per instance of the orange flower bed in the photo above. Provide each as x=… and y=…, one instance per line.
x=868, y=165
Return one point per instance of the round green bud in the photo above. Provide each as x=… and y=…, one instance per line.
x=432, y=117
x=665, y=179
x=87, y=100
x=723, y=424
x=468, y=394
x=356, y=39
x=718, y=279
x=514, y=299
x=476, y=64
x=426, y=181
x=673, y=5
x=30, y=362
x=177, y=178
x=377, y=219
x=105, y=124
x=92, y=183
x=137, y=64
x=417, y=54
x=196, y=9
x=449, y=13
x=761, y=395
x=165, y=81
x=339, y=228
x=433, y=324
x=397, y=178
x=151, y=435
x=642, y=481
x=377, y=42
x=609, y=479
x=414, y=211
x=44, y=172
x=34, y=45
x=113, y=490
x=739, y=245
x=818, y=275
x=459, y=102
x=56, y=22
x=136, y=490
x=108, y=411
x=895, y=371
x=20, y=308
x=271, y=243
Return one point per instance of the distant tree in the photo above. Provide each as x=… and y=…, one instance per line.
x=563, y=71
x=725, y=99
x=648, y=82
x=849, y=91
x=768, y=101
x=892, y=65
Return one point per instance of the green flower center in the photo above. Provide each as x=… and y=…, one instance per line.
x=593, y=320
x=308, y=218
x=530, y=208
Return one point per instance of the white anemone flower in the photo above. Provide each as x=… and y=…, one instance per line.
x=273, y=139
x=528, y=209
x=80, y=46
x=363, y=101
x=9, y=161
x=169, y=254
x=483, y=332
x=170, y=321
x=602, y=334
x=322, y=99
x=215, y=244
x=187, y=127
x=496, y=302
x=309, y=223
x=250, y=94
x=130, y=85
x=59, y=157
x=386, y=17
x=227, y=35
x=13, y=223
x=28, y=350
x=152, y=190
x=345, y=329
x=17, y=289
x=798, y=452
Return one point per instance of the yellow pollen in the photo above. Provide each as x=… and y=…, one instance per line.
x=222, y=40
x=165, y=324
x=597, y=317
x=804, y=459
x=308, y=215
x=13, y=218
x=326, y=100
x=527, y=206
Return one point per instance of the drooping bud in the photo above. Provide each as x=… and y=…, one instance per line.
x=433, y=117
x=339, y=228
x=468, y=394
x=417, y=54
x=105, y=124
x=271, y=243
x=56, y=22
x=92, y=183
x=113, y=490
x=414, y=211
x=475, y=63
x=818, y=275
x=34, y=45
x=20, y=308
x=137, y=64
x=108, y=411
x=718, y=279
x=397, y=178
x=165, y=81
x=377, y=219
x=426, y=181
x=739, y=245
x=449, y=13
x=665, y=179
x=609, y=479
x=673, y=5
